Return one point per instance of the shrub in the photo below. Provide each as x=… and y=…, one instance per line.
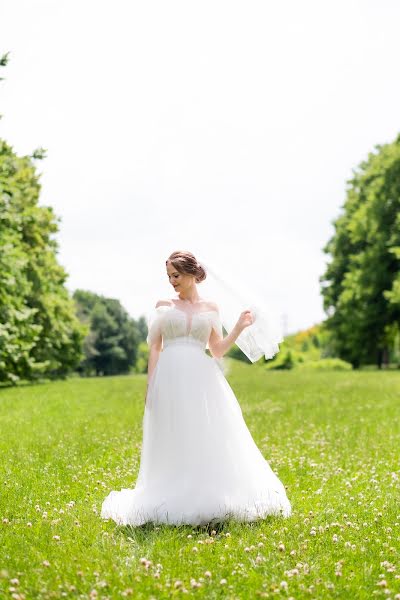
x=326, y=364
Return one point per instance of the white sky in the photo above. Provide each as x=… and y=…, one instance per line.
x=221, y=127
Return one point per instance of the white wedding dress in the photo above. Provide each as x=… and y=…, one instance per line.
x=199, y=462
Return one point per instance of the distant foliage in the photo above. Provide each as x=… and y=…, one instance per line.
x=326, y=364
x=311, y=348
x=111, y=343
x=39, y=332
x=361, y=285
x=142, y=358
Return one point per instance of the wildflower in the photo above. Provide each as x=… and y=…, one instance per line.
x=259, y=559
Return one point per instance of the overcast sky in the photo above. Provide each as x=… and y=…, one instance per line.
x=221, y=127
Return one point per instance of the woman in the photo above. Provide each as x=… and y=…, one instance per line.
x=199, y=462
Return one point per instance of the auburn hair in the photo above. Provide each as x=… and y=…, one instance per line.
x=186, y=263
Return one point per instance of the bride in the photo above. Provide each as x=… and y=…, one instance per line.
x=199, y=462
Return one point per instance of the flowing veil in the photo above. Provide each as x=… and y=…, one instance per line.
x=263, y=336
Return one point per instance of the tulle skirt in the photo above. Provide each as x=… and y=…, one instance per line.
x=199, y=462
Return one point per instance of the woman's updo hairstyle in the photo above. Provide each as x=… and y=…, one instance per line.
x=186, y=263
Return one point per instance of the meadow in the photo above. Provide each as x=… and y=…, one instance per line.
x=333, y=438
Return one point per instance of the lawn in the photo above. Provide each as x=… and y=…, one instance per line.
x=333, y=438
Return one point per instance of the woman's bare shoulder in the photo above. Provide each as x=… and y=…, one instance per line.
x=163, y=303
x=212, y=305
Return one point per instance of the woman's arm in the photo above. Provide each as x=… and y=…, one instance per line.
x=220, y=345
x=155, y=346
x=154, y=353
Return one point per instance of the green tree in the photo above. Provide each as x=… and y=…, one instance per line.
x=39, y=332
x=361, y=284
x=113, y=336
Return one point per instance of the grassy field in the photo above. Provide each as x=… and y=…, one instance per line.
x=332, y=438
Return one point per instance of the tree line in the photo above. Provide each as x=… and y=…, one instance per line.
x=45, y=332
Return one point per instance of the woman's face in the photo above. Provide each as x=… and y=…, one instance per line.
x=179, y=281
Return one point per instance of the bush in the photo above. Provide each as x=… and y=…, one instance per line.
x=285, y=361
x=326, y=364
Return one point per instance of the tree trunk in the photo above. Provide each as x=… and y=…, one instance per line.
x=379, y=359
x=385, y=358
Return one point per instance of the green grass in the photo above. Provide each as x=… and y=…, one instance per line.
x=332, y=438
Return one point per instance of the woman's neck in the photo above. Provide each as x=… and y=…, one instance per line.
x=192, y=297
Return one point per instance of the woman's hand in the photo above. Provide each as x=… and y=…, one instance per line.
x=245, y=320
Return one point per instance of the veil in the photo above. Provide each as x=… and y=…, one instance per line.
x=260, y=338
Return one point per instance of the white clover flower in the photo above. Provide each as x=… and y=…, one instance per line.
x=284, y=585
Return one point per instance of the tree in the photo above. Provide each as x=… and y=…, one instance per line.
x=361, y=284
x=113, y=337
x=39, y=332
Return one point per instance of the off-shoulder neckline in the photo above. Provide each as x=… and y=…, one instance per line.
x=185, y=312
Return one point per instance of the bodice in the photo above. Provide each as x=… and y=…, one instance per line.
x=177, y=325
